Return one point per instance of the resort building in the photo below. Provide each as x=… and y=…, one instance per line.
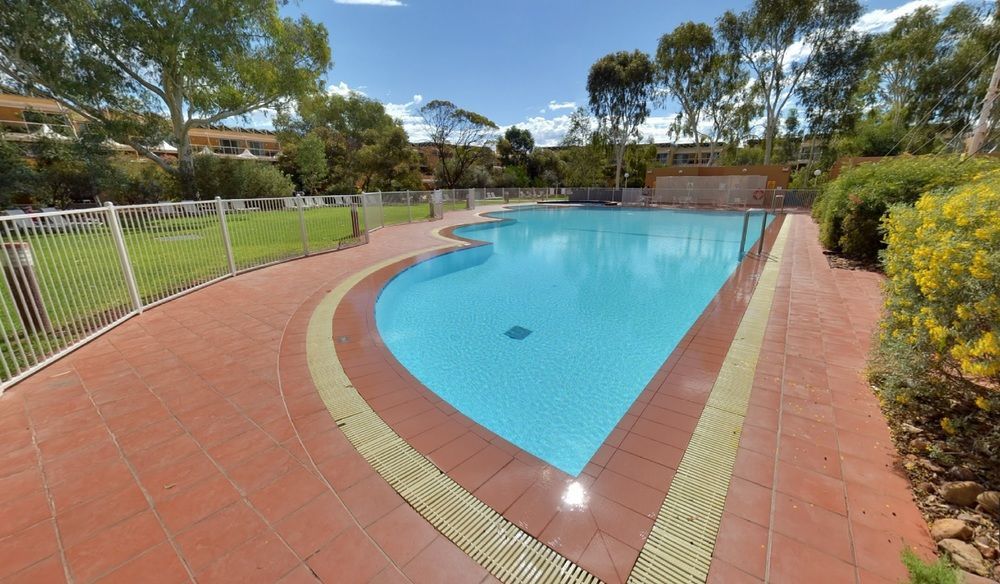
x=25, y=119
x=688, y=154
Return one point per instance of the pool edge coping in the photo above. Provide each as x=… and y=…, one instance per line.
x=390, y=454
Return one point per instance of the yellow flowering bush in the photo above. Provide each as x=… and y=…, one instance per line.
x=940, y=335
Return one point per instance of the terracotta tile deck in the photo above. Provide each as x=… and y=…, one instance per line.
x=190, y=445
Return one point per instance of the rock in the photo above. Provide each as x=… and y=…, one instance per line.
x=962, y=473
x=961, y=492
x=989, y=501
x=926, y=487
x=970, y=578
x=910, y=428
x=950, y=529
x=974, y=518
x=930, y=466
x=965, y=556
x=919, y=445
x=985, y=547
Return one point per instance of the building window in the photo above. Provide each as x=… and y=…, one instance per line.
x=228, y=146
x=58, y=123
x=256, y=148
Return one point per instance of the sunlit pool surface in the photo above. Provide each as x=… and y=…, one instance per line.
x=548, y=335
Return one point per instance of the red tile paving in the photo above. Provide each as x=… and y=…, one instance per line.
x=190, y=444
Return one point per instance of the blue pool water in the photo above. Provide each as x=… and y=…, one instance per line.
x=604, y=295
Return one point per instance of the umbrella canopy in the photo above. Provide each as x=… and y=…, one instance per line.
x=164, y=147
x=116, y=145
x=246, y=154
x=48, y=132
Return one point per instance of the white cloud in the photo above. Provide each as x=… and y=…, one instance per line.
x=882, y=19
x=408, y=115
x=558, y=105
x=371, y=2
x=545, y=131
x=343, y=89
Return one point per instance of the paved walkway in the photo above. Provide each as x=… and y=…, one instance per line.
x=175, y=448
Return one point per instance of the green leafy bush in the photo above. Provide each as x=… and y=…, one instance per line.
x=239, y=179
x=143, y=182
x=851, y=208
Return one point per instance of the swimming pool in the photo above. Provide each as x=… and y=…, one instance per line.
x=548, y=335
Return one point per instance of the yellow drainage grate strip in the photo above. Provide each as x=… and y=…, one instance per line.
x=680, y=544
x=494, y=542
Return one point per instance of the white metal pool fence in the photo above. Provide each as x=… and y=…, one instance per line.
x=71, y=275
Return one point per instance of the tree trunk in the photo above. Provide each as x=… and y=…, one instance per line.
x=768, y=142
x=185, y=175
x=619, y=156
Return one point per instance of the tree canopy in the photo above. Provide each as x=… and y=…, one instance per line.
x=515, y=146
x=363, y=147
x=460, y=138
x=145, y=70
x=685, y=61
x=620, y=86
x=778, y=41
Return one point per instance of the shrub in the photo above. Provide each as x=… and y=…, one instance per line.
x=943, y=292
x=143, y=182
x=851, y=208
x=239, y=179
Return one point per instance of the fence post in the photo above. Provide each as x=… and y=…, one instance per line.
x=301, y=205
x=228, y=243
x=364, y=216
x=119, y=238
x=409, y=209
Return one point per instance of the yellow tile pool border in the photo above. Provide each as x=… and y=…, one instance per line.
x=498, y=545
x=680, y=544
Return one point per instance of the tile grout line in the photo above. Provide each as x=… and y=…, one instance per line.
x=777, y=437
x=680, y=544
x=48, y=499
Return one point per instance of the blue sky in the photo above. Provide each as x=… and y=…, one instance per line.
x=520, y=62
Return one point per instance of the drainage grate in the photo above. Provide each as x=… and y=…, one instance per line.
x=518, y=333
x=487, y=537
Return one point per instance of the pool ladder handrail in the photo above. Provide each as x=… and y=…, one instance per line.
x=746, y=223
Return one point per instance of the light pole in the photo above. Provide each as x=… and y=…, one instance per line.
x=624, y=186
x=816, y=174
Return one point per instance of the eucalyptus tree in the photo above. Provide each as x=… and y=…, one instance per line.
x=364, y=147
x=620, y=86
x=145, y=70
x=461, y=139
x=931, y=69
x=778, y=40
x=732, y=101
x=685, y=59
x=584, y=151
x=829, y=95
x=515, y=146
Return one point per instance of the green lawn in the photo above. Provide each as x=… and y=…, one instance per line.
x=83, y=287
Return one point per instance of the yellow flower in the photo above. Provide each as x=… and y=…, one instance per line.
x=948, y=427
x=983, y=403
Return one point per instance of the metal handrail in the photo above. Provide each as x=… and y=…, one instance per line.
x=746, y=223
